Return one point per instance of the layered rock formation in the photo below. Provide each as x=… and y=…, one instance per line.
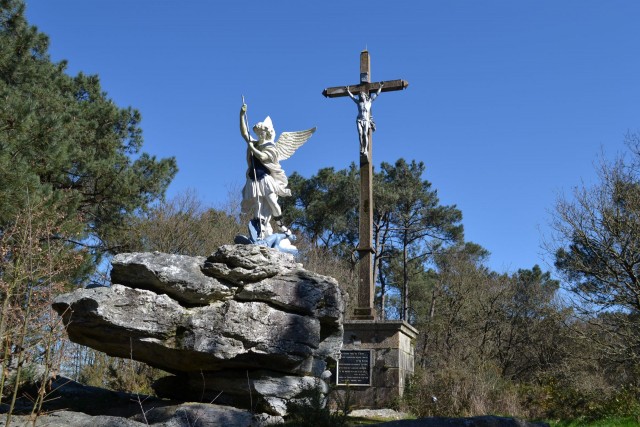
x=247, y=326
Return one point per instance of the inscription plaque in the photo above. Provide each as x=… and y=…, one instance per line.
x=354, y=368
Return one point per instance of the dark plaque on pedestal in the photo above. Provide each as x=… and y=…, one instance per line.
x=354, y=368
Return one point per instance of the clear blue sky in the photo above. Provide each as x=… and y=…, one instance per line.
x=509, y=103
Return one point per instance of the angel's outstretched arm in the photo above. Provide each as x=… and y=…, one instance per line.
x=243, y=124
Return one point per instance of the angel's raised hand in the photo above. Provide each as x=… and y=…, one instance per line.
x=244, y=108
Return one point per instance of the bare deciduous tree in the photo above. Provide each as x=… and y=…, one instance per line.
x=182, y=225
x=597, y=249
x=35, y=266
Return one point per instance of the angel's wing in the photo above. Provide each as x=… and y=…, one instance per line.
x=289, y=142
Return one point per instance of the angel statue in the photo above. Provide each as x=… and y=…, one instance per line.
x=266, y=181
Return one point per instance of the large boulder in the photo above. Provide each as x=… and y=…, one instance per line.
x=178, y=276
x=263, y=390
x=246, y=316
x=71, y=404
x=242, y=264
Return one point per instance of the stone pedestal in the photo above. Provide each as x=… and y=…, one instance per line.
x=391, y=344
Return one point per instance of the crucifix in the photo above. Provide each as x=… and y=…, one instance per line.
x=367, y=92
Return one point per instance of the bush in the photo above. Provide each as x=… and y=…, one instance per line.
x=314, y=409
x=564, y=401
x=460, y=391
x=119, y=374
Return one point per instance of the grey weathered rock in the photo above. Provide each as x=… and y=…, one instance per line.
x=71, y=404
x=241, y=264
x=252, y=334
x=268, y=391
x=204, y=414
x=154, y=329
x=298, y=291
x=183, y=415
x=178, y=276
x=140, y=313
x=73, y=419
x=274, y=316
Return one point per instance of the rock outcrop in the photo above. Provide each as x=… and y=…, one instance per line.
x=247, y=326
x=71, y=404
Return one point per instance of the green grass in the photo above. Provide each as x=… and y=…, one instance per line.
x=361, y=421
x=609, y=422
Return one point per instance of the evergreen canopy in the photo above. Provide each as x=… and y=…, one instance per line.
x=62, y=138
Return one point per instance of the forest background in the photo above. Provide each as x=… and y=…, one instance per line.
x=76, y=188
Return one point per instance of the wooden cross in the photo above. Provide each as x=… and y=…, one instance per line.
x=365, y=309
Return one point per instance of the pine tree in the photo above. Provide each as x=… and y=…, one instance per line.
x=409, y=224
x=61, y=137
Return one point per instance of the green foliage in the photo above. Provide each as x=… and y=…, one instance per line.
x=119, y=374
x=490, y=342
x=459, y=391
x=607, y=422
x=568, y=400
x=410, y=227
x=72, y=175
x=409, y=224
x=325, y=208
x=597, y=250
x=483, y=335
x=315, y=409
x=61, y=137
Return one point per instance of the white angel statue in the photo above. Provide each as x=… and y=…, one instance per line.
x=266, y=181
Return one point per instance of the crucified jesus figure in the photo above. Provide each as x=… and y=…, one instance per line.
x=364, y=121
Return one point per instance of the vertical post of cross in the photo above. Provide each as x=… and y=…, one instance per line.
x=365, y=309
x=366, y=288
